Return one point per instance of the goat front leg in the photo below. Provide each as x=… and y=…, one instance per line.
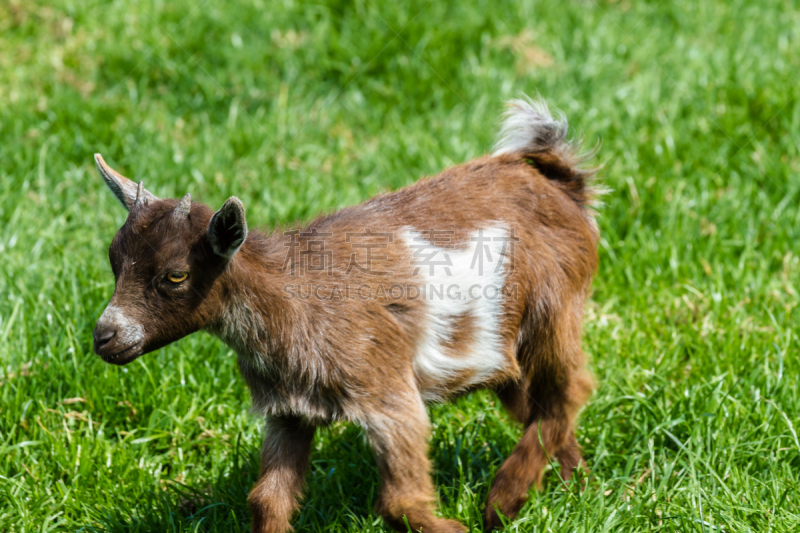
x=284, y=462
x=399, y=438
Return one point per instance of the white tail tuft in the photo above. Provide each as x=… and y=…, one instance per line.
x=530, y=132
x=528, y=126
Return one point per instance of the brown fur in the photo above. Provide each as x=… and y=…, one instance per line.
x=310, y=357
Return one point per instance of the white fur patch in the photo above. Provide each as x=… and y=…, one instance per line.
x=129, y=332
x=528, y=125
x=468, y=281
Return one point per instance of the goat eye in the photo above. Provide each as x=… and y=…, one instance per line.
x=177, y=277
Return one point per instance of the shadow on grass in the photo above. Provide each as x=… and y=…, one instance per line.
x=343, y=484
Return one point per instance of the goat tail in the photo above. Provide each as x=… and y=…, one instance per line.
x=530, y=132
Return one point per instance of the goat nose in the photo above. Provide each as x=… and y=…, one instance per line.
x=102, y=334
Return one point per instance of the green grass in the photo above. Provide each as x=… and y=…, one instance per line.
x=303, y=107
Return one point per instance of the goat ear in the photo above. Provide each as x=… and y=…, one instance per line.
x=228, y=228
x=124, y=189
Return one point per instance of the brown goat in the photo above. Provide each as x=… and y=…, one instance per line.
x=471, y=279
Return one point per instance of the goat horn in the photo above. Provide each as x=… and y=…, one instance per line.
x=140, y=196
x=182, y=211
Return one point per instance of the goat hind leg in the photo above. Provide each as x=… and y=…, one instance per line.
x=542, y=439
x=569, y=457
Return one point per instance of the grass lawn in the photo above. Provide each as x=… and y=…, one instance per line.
x=301, y=107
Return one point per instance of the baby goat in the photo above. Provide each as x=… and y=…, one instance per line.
x=475, y=278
